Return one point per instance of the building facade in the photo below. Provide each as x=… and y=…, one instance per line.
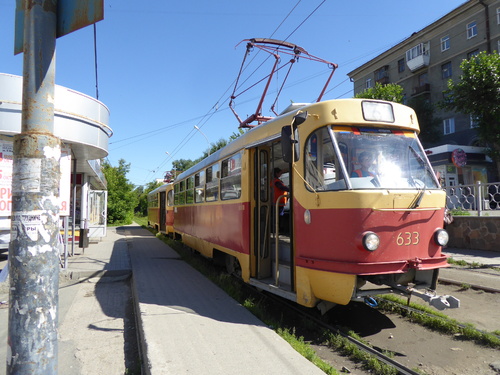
x=423, y=63
x=81, y=122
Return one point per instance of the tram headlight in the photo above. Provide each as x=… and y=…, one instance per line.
x=370, y=241
x=441, y=237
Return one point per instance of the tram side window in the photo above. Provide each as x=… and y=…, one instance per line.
x=212, y=186
x=170, y=198
x=176, y=194
x=231, y=177
x=153, y=200
x=199, y=190
x=320, y=164
x=180, y=193
x=190, y=190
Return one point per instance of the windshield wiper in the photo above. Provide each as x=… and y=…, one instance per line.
x=418, y=198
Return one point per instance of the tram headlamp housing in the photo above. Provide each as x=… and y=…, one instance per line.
x=441, y=237
x=370, y=241
x=377, y=111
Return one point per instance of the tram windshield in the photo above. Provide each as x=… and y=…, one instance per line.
x=338, y=158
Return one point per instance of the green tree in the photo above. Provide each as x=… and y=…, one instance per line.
x=121, y=197
x=142, y=197
x=477, y=93
x=181, y=165
x=391, y=92
x=429, y=125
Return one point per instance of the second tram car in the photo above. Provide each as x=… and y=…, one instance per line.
x=364, y=215
x=161, y=210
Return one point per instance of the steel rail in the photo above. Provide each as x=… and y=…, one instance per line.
x=374, y=352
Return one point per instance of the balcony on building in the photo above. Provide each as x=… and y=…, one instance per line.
x=423, y=89
x=383, y=80
x=418, y=56
x=382, y=75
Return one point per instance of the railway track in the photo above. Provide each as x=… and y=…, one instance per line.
x=423, y=354
x=373, y=352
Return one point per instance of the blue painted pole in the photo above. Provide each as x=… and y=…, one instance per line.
x=33, y=253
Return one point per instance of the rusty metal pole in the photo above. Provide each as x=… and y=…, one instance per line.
x=33, y=253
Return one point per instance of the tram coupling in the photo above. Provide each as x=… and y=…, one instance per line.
x=437, y=301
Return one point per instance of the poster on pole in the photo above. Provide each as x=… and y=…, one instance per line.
x=6, y=161
x=6, y=167
x=65, y=182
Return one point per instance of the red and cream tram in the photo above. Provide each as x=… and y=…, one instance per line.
x=365, y=213
x=161, y=210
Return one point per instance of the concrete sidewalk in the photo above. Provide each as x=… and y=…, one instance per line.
x=186, y=324
x=189, y=325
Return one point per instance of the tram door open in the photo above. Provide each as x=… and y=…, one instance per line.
x=274, y=260
x=262, y=212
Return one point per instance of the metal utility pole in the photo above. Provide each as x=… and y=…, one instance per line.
x=33, y=252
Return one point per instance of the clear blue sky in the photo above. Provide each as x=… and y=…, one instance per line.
x=164, y=66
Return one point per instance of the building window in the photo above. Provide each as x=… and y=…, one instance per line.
x=472, y=54
x=382, y=75
x=446, y=70
x=368, y=83
x=401, y=65
x=445, y=43
x=498, y=16
x=423, y=79
x=474, y=123
x=448, y=126
x=471, y=29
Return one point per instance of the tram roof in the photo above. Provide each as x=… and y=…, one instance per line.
x=160, y=188
x=338, y=111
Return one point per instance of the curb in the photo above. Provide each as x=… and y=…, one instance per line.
x=473, y=286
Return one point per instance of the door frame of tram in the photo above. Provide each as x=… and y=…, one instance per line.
x=163, y=211
x=265, y=158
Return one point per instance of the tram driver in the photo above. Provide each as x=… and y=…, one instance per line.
x=365, y=161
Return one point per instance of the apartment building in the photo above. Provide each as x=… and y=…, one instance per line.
x=423, y=63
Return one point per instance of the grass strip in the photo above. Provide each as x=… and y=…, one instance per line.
x=437, y=321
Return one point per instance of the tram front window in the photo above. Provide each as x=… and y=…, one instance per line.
x=370, y=159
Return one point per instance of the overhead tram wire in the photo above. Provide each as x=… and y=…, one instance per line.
x=205, y=118
x=268, y=57
x=300, y=25
x=212, y=110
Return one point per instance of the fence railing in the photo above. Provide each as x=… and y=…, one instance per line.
x=477, y=198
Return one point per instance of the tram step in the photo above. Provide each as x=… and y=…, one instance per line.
x=285, y=274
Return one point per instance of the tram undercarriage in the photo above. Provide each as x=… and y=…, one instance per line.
x=419, y=283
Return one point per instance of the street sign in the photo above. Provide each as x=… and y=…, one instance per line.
x=71, y=15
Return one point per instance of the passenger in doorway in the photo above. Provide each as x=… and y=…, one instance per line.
x=365, y=161
x=279, y=188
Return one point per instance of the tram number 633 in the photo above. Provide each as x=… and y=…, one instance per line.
x=408, y=238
